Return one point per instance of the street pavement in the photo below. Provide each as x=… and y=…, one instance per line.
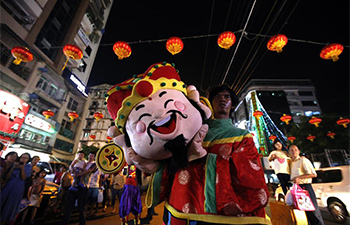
x=107, y=218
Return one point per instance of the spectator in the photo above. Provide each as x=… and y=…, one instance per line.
x=302, y=172
x=58, y=175
x=281, y=160
x=107, y=193
x=93, y=186
x=77, y=167
x=12, y=193
x=117, y=189
x=35, y=195
x=6, y=165
x=66, y=183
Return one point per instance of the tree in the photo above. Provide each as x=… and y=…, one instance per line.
x=87, y=149
x=322, y=141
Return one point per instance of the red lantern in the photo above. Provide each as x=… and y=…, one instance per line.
x=343, y=122
x=277, y=42
x=272, y=137
x=73, y=52
x=48, y=113
x=291, y=138
x=257, y=114
x=122, y=49
x=226, y=39
x=315, y=121
x=21, y=54
x=174, y=45
x=286, y=118
x=98, y=116
x=311, y=138
x=92, y=136
x=331, y=134
x=73, y=115
x=109, y=138
x=331, y=51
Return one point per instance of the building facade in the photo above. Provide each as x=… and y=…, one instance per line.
x=45, y=27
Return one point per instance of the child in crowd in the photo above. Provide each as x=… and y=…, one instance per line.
x=78, y=166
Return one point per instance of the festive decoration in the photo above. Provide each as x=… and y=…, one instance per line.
x=226, y=39
x=291, y=138
x=315, y=121
x=277, y=42
x=98, y=116
x=73, y=115
x=286, y=118
x=272, y=137
x=332, y=51
x=311, y=138
x=92, y=136
x=257, y=114
x=122, y=49
x=330, y=134
x=174, y=45
x=110, y=158
x=343, y=122
x=48, y=113
x=72, y=52
x=21, y=54
x=109, y=139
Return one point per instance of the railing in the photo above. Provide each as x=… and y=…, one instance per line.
x=66, y=133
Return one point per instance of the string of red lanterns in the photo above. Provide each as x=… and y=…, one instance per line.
x=226, y=39
x=277, y=42
x=21, y=54
x=72, y=52
x=122, y=49
x=174, y=45
x=48, y=114
x=73, y=115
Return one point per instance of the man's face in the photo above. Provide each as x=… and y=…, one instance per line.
x=159, y=119
x=294, y=151
x=91, y=157
x=81, y=156
x=222, y=105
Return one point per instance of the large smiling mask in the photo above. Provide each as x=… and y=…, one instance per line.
x=153, y=108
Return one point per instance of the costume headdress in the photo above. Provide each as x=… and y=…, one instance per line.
x=123, y=97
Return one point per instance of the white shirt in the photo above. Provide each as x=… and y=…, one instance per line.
x=94, y=180
x=301, y=166
x=280, y=164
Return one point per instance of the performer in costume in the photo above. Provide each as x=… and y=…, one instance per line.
x=131, y=198
x=161, y=121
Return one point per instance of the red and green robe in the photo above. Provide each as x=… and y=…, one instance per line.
x=225, y=187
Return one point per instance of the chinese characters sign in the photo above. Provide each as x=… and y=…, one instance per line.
x=13, y=110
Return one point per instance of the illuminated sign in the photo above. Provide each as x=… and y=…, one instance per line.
x=75, y=81
x=39, y=123
x=13, y=110
x=83, y=37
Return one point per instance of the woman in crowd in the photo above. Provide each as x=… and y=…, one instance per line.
x=12, y=193
x=6, y=165
x=302, y=172
x=280, y=159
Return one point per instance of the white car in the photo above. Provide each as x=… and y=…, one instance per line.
x=332, y=189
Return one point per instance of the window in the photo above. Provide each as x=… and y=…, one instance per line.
x=52, y=90
x=46, y=139
x=66, y=125
x=42, y=84
x=25, y=134
x=328, y=176
x=88, y=125
x=63, y=145
x=309, y=103
x=37, y=138
x=88, y=50
x=72, y=104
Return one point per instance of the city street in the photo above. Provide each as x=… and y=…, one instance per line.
x=107, y=218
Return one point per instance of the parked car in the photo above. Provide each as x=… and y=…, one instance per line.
x=51, y=167
x=332, y=190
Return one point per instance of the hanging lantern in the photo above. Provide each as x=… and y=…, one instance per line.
x=98, y=116
x=315, y=121
x=331, y=51
x=122, y=49
x=272, y=137
x=226, y=39
x=92, y=136
x=73, y=52
x=331, y=134
x=174, y=45
x=343, y=122
x=286, y=118
x=48, y=114
x=109, y=139
x=21, y=54
x=257, y=114
x=73, y=115
x=311, y=138
x=291, y=138
x=277, y=42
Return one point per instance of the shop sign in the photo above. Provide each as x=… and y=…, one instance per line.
x=13, y=110
x=38, y=123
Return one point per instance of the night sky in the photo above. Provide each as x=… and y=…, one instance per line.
x=309, y=25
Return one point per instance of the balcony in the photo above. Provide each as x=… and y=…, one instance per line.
x=66, y=133
x=6, y=60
